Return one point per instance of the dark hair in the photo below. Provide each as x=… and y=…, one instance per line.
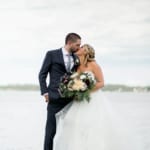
x=73, y=37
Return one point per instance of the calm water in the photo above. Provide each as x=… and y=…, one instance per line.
x=23, y=117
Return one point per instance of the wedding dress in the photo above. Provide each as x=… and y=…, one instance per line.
x=94, y=126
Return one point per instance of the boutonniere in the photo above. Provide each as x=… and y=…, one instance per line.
x=77, y=61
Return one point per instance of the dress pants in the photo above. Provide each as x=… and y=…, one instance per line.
x=50, y=130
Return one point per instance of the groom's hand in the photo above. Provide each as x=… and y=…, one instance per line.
x=46, y=97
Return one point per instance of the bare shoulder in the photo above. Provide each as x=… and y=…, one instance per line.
x=94, y=65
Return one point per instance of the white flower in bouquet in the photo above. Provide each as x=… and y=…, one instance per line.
x=84, y=87
x=78, y=85
x=90, y=75
x=69, y=86
x=83, y=77
x=74, y=75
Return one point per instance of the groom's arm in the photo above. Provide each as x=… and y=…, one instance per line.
x=44, y=72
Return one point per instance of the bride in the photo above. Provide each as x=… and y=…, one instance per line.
x=93, y=125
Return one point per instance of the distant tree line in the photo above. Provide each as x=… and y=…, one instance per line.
x=108, y=87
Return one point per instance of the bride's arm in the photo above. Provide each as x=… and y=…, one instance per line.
x=98, y=75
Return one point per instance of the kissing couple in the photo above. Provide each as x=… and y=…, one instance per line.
x=74, y=131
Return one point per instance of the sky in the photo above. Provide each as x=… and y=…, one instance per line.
x=118, y=30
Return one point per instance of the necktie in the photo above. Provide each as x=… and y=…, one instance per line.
x=69, y=63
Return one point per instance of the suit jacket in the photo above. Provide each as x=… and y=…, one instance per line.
x=54, y=65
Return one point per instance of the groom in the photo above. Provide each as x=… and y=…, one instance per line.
x=56, y=63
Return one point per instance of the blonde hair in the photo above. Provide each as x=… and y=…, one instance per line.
x=90, y=54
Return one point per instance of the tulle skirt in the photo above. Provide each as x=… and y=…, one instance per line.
x=94, y=126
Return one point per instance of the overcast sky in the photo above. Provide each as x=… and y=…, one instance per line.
x=119, y=31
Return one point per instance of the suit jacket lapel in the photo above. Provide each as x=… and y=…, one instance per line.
x=61, y=58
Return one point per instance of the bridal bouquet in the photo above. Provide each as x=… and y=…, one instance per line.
x=77, y=86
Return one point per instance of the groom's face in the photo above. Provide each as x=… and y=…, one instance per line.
x=75, y=46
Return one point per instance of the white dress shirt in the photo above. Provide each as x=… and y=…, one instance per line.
x=65, y=57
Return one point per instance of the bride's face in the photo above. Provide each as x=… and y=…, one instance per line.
x=81, y=51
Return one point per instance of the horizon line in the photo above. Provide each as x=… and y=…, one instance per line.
x=107, y=84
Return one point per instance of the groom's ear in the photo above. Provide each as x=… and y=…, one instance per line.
x=69, y=42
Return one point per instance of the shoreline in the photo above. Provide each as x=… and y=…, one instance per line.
x=106, y=88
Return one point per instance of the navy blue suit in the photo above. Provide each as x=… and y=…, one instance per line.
x=53, y=65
